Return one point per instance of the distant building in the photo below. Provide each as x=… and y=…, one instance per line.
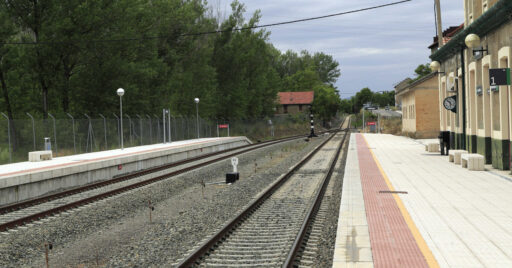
x=419, y=101
x=294, y=102
x=447, y=36
x=401, y=85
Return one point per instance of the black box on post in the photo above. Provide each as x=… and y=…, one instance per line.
x=232, y=177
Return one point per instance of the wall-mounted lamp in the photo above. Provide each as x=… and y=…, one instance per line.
x=435, y=66
x=473, y=42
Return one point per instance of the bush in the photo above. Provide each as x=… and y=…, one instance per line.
x=4, y=155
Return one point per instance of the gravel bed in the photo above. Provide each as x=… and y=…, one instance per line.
x=326, y=247
x=118, y=233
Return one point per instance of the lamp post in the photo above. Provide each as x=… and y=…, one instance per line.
x=120, y=93
x=196, y=100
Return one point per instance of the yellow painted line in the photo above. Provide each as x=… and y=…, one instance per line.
x=425, y=250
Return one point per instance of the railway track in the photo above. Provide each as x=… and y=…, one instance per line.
x=23, y=213
x=271, y=231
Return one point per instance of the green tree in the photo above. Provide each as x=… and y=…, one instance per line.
x=363, y=96
x=422, y=70
x=326, y=103
x=346, y=106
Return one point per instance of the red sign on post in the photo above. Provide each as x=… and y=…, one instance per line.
x=224, y=126
x=370, y=123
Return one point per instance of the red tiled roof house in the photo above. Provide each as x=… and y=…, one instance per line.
x=294, y=102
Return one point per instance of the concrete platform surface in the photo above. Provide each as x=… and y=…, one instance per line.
x=457, y=217
x=25, y=167
x=21, y=181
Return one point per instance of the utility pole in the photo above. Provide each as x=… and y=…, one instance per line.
x=439, y=29
x=363, y=119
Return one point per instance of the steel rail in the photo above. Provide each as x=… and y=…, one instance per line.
x=42, y=199
x=42, y=214
x=192, y=258
x=313, y=209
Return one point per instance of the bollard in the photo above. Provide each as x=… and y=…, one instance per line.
x=233, y=176
x=47, y=144
x=202, y=188
x=151, y=208
x=47, y=246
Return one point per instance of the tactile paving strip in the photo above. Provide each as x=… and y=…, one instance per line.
x=392, y=242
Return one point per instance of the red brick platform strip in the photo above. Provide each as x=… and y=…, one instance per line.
x=392, y=242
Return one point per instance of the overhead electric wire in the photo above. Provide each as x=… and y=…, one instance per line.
x=207, y=32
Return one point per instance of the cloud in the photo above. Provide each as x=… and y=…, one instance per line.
x=375, y=48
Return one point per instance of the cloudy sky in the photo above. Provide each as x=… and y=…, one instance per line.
x=375, y=48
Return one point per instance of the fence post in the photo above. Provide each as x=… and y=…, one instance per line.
x=130, y=127
x=105, y=130
x=140, y=127
x=150, y=132
x=163, y=122
x=54, y=135
x=169, y=124
x=33, y=130
x=73, y=124
x=157, y=126
x=8, y=136
x=118, y=129
x=90, y=134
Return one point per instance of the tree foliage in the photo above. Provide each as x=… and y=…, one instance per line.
x=74, y=70
x=422, y=70
x=366, y=95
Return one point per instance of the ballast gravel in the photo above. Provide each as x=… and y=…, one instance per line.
x=117, y=232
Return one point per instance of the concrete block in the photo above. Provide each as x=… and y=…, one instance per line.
x=433, y=147
x=456, y=155
x=476, y=162
x=39, y=156
x=451, y=155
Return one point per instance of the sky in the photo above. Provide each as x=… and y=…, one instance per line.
x=375, y=49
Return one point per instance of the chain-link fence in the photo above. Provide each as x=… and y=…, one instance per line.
x=77, y=135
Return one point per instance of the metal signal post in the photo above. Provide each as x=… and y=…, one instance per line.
x=312, y=134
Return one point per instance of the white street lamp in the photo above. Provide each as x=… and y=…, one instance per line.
x=435, y=66
x=120, y=93
x=196, y=100
x=473, y=41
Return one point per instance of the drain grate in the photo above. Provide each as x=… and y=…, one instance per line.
x=393, y=192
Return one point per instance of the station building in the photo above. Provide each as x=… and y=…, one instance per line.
x=481, y=121
x=417, y=99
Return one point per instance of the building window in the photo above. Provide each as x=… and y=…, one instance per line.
x=469, y=7
x=300, y=107
x=285, y=109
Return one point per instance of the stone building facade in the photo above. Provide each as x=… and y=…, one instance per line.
x=482, y=120
x=417, y=99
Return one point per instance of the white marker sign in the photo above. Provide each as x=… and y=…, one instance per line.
x=234, y=162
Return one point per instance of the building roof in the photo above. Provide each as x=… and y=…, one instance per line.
x=305, y=97
x=403, y=84
x=447, y=35
x=402, y=87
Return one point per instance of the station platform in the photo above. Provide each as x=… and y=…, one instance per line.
x=25, y=180
x=404, y=207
